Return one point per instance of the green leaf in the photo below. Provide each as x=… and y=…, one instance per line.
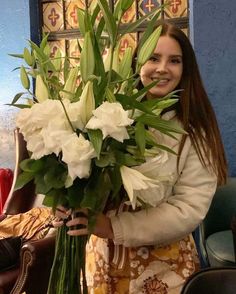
x=126, y=4
x=134, y=25
x=162, y=125
x=75, y=193
x=31, y=165
x=41, y=186
x=80, y=15
x=143, y=91
x=97, y=191
x=38, y=50
x=44, y=41
x=105, y=159
x=99, y=65
x=116, y=182
x=87, y=60
x=17, y=97
x=151, y=140
x=118, y=11
x=109, y=20
x=23, y=179
x=95, y=14
x=55, y=176
x=140, y=137
x=24, y=78
x=87, y=22
x=17, y=55
x=55, y=197
x=160, y=103
x=96, y=138
x=21, y=106
x=127, y=159
x=100, y=30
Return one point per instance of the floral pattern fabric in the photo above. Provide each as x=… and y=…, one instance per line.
x=115, y=269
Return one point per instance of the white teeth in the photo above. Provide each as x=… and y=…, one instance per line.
x=160, y=80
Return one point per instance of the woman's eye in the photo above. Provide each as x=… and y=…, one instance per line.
x=176, y=60
x=154, y=59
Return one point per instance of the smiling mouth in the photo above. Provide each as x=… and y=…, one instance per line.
x=160, y=81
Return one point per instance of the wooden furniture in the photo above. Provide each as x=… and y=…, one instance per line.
x=32, y=273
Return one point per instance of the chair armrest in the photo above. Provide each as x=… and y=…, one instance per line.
x=36, y=259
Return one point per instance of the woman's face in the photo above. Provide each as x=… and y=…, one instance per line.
x=165, y=65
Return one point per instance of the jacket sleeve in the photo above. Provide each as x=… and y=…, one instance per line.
x=174, y=219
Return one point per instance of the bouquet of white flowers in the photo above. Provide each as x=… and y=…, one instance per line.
x=88, y=127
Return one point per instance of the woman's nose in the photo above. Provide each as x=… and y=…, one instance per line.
x=161, y=67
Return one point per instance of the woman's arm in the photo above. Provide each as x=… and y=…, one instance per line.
x=175, y=218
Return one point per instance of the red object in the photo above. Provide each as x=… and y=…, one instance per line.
x=6, y=178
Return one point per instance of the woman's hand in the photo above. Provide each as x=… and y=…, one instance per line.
x=102, y=227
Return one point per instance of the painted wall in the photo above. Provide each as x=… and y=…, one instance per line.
x=213, y=35
x=14, y=31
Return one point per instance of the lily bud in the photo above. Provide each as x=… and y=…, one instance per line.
x=148, y=47
x=87, y=102
x=70, y=85
x=107, y=60
x=41, y=90
x=115, y=62
x=125, y=65
x=87, y=61
x=29, y=59
x=24, y=78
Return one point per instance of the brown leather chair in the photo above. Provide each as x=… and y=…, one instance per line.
x=32, y=272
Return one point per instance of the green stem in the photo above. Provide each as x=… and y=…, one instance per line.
x=67, y=116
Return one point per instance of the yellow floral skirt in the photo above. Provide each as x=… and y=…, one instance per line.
x=113, y=269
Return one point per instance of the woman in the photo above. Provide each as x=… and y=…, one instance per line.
x=152, y=250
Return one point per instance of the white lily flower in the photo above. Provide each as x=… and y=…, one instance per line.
x=77, y=154
x=134, y=180
x=112, y=120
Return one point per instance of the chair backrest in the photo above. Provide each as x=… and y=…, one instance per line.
x=219, y=216
x=23, y=199
x=220, y=280
x=222, y=209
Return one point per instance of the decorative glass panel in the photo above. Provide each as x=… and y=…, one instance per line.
x=176, y=8
x=146, y=6
x=53, y=19
x=60, y=20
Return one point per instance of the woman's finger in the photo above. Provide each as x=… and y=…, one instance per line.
x=78, y=226
x=80, y=232
x=57, y=223
x=62, y=213
x=77, y=221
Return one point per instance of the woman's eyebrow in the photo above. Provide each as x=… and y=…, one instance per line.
x=172, y=55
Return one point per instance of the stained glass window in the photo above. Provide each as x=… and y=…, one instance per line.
x=59, y=19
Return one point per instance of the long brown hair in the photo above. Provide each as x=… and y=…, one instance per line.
x=195, y=111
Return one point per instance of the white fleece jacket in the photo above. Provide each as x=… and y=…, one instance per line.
x=183, y=205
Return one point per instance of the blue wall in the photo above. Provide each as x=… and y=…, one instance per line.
x=213, y=34
x=14, y=31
